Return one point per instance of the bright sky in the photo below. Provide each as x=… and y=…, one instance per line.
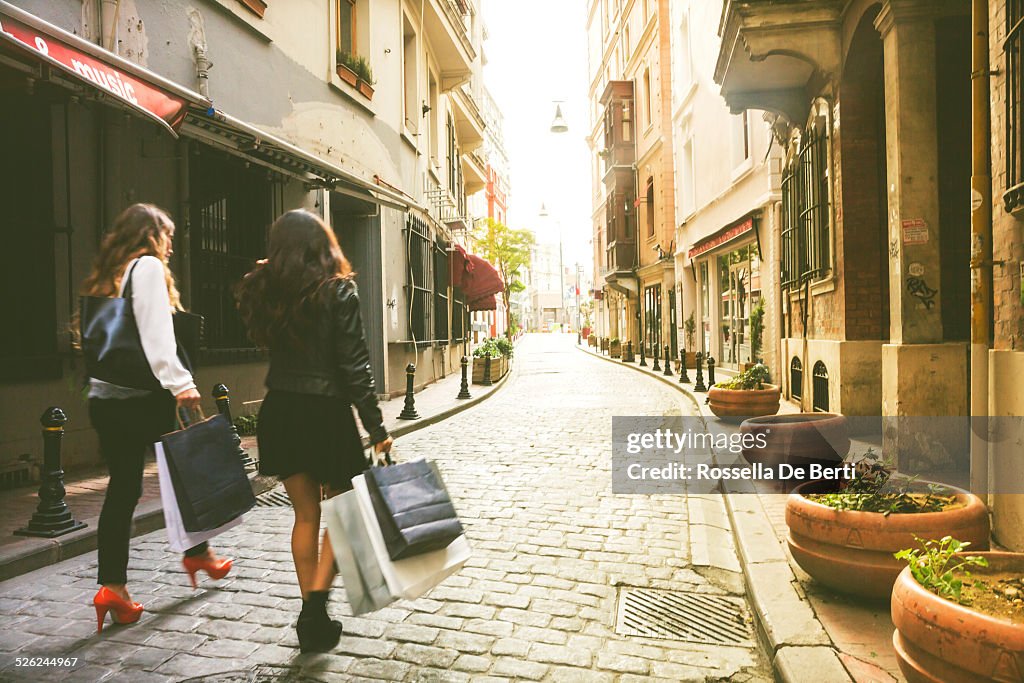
x=537, y=53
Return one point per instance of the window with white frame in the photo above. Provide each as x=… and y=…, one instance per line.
x=346, y=34
x=687, y=180
x=740, y=139
x=684, y=63
x=410, y=77
x=648, y=115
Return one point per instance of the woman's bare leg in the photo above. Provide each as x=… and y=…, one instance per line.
x=325, y=568
x=304, y=493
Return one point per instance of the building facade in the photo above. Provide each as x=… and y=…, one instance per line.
x=156, y=104
x=634, y=220
x=726, y=251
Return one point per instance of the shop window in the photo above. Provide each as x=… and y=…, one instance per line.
x=28, y=291
x=1013, y=198
x=232, y=209
x=805, y=210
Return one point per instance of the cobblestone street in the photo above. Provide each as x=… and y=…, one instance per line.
x=529, y=469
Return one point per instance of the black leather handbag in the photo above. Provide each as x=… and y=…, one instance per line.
x=209, y=479
x=413, y=508
x=112, y=346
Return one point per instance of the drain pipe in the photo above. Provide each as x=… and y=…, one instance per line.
x=981, y=247
x=109, y=11
x=203, y=66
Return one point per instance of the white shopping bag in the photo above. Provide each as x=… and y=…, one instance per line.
x=365, y=586
x=178, y=538
x=412, y=577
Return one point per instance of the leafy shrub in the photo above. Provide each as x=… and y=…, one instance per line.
x=876, y=489
x=754, y=378
x=495, y=348
x=246, y=424
x=357, y=64
x=937, y=566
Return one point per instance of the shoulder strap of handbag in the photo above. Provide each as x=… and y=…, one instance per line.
x=126, y=291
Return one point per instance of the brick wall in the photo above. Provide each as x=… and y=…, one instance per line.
x=1007, y=231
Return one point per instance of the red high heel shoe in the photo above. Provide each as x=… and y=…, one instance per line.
x=215, y=569
x=121, y=610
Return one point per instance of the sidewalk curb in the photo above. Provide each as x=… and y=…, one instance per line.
x=30, y=554
x=790, y=632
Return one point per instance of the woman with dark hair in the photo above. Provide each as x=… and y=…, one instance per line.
x=134, y=254
x=301, y=303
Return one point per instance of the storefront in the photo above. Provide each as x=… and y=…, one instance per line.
x=729, y=285
x=86, y=133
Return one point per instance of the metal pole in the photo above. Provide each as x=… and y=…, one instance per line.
x=981, y=244
x=222, y=397
x=409, y=409
x=699, y=384
x=52, y=516
x=668, y=361
x=464, y=387
x=684, y=378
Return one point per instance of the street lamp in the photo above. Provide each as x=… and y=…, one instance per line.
x=559, y=126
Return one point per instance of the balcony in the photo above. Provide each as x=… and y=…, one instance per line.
x=772, y=50
x=445, y=30
x=469, y=122
x=620, y=274
x=474, y=172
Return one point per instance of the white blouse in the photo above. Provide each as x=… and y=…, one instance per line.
x=152, y=307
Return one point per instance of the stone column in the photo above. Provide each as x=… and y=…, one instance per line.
x=921, y=375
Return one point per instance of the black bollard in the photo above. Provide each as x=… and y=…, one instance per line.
x=52, y=517
x=464, y=387
x=643, y=356
x=627, y=357
x=657, y=365
x=409, y=410
x=699, y=385
x=684, y=377
x=222, y=396
x=711, y=370
x=668, y=362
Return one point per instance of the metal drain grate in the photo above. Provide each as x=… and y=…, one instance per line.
x=690, y=616
x=274, y=498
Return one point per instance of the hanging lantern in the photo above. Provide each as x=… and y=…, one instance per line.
x=559, y=125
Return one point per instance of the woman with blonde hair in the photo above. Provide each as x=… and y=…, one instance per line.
x=302, y=304
x=134, y=256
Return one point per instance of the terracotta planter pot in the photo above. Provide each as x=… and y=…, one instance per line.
x=799, y=439
x=851, y=551
x=736, y=405
x=939, y=641
x=346, y=74
x=365, y=89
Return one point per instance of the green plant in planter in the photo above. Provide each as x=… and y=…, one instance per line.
x=937, y=566
x=876, y=489
x=754, y=378
x=689, y=329
x=358, y=64
x=495, y=348
x=246, y=424
x=613, y=341
x=756, y=330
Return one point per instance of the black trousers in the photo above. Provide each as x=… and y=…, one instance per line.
x=127, y=429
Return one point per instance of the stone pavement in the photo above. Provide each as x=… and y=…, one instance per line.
x=86, y=488
x=529, y=470
x=794, y=612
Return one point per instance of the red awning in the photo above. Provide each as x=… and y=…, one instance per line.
x=460, y=266
x=156, y=103
x=721, y=237
x=487, y=303
x=482, y=280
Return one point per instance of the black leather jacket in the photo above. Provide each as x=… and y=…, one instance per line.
x=335, y=363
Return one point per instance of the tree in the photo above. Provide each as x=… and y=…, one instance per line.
x=508, y=250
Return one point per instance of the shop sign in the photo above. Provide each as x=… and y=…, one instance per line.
x=721, y=238
x=167, y=109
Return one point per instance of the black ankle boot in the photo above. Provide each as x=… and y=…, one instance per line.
x=317, y=632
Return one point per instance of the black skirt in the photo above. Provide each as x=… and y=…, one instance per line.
x=309, y=434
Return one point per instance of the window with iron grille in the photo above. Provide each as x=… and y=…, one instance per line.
x=805, y=210
x=231, y=211
x=459, y=315
x=441, y=291
x=421, y=279
x=820, y=387
x=796, y=378
x=1013, y=198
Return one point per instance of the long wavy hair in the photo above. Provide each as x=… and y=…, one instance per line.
x=280, y=299
x=139, y=230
